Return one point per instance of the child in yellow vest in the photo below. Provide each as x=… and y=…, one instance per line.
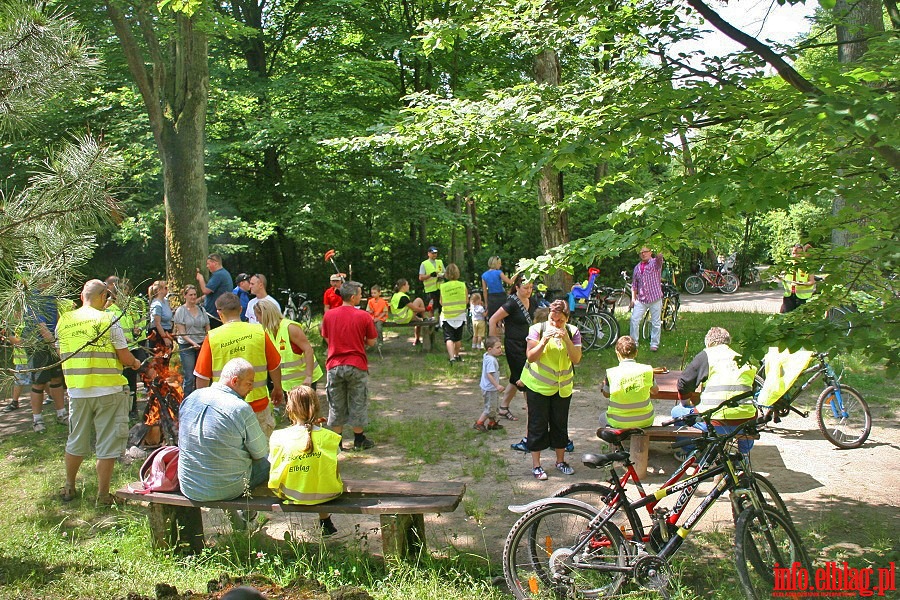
x=304, y=457
x=628, y=388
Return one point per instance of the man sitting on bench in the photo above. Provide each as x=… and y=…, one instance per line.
x=224, y=452
x=717, y=366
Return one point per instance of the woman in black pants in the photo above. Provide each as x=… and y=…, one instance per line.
x=517, y=315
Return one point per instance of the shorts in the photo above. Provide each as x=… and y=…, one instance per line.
x=44, y=356
x=266, y=420
x=491, y=402
x=348, y=401
x=108, y=415
x=451, y=333
x=22, y=376
x=479, y=329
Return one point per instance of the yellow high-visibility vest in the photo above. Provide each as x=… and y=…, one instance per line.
x=126, y=322
x=300, y=477
x=453, y=299
x=241, y=340
x=553, y=372
x=400, y=315
x=293, y=366
x=89, y=358
x=726, y=379
x=629, y=395
x=432, y=284
x=20, y=357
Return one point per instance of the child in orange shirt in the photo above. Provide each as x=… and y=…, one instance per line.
x=378, y=308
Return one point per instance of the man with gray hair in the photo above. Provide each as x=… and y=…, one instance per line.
x=223, y=448
x=347, y=331
x=94, y=351
x=723, y=378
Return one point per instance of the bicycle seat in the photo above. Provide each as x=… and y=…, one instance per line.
x=597, y=461
x=615, y=436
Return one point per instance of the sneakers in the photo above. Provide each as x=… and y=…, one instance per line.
x=681, y=454
x=327, y=527
x=494, y=426
x=654, y=348
x=519, y=446
x=363, y=444
x=564, y=468
x=62, y=419
x=39, y=427
x=480, y=427
x=570, y=447
x=539, y=474
x=13, y=405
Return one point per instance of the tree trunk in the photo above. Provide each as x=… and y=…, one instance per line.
x=175, y=91
x=554, y=218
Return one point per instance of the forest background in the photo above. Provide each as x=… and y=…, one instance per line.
x=568, y=133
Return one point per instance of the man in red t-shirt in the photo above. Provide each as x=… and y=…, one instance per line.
x=332, y=297
x=348, y=331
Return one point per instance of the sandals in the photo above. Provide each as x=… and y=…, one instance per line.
x=109, y=500
x=503, y=411
x=67, y=493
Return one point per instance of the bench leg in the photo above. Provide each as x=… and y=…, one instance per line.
x=640, y=450
x=176, y=527
x=402, y=536
x=427, y=338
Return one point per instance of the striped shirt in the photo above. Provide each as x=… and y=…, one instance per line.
x=646, y=282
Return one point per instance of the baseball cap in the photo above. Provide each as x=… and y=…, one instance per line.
x=242, y=277
x=336, y=277
x=433, y=249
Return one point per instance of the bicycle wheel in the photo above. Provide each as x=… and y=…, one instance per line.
x=645, y=326
x=586, y=325
x=839, y=317
x=731, y=284
x=767, y=493
x=305, y=317
x=694, y=285
x=670, y=314
x=847, y=423
x=607, y=329
x=597, y=495
x=290, y=313
x=623, y=299
x=762, y=540
x=538, y=561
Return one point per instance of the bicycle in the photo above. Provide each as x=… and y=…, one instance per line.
x=566, y=548
x=842, y=414
x=620, y=297
x=671, y=302
x=298, y=308
x=598, y=328
x=726, y=283
x=603, y=494
x=841, y=317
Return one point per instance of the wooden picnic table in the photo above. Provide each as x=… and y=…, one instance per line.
x=668, y=386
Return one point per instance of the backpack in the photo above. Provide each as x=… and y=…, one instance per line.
x=159, y=473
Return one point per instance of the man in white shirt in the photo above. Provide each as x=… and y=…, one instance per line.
x=258, y=289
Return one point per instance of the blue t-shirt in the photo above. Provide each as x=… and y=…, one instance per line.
x=492, y=277
x=219, y=282
x=244, y=297
x=161, y=309
x=39, y=308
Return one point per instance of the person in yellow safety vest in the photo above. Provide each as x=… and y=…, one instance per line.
x=628, y=387
x=431, y=272
x=799, y=285
x=553, y=349
x=404, y=309
x=454, y=300
x=304, y=457
x=722, y=377
x=237, y=339
x=94, y=351
x=130, y=320
x=298, y=361
x=20, y=364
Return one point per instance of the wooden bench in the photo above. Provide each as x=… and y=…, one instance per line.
x=640, y=444
x=176, y=521
x=428, y=330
